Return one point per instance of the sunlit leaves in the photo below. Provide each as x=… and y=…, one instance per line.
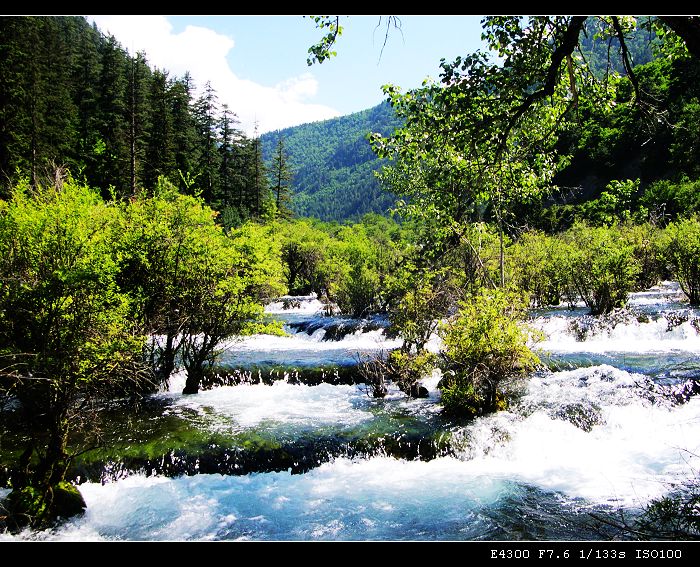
x=321, y=51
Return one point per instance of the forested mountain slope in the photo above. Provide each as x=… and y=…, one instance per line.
x=333, y=165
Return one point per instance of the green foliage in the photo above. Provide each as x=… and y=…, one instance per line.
x=334, y=165
x=321, y=51
x=646, y=243
x=280, y=176
x=41, y=509
x=60, y=299
x=420, y=298
x=347, y=266
x=681, y=250
x=667, y=200
x=673, y=517
x=304, y=248
x=538, y=265
x=485, y=349
x=602, y=266
x=66, y=337
x=365, y=262
x=614, y=204
x=194, y=285
x=73, y=97
x=406, y=368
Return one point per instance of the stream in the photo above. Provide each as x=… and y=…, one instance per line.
x=295, y=449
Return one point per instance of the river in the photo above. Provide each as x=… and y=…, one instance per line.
x=596, y=434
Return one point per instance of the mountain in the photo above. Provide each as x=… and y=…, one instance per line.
x=333, y=165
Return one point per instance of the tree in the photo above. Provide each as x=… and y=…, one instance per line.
x=205, y=117
x=234, y=275
x=138, y=115
x=192, y=286
x=681, y=250
x=65, y=336
x=281, y=176
x=160, y=156
x=185, y=134
x=258, y=188
x=232, y=174
x=112, y=143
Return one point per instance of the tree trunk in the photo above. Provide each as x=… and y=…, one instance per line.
x=194, y=378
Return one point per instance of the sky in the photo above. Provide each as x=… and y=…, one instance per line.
x=257, y=64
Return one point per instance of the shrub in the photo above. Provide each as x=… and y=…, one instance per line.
x=537, y=264
x=66, y=336
x=485, y=350
x=602, y=266
x=681, y=250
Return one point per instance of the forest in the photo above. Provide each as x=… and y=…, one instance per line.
x=146, y=240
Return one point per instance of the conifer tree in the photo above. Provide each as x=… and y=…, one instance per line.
x=112, y=146
x=184, y=131
x=281, y=177
x=205, y=116
x=160, y=156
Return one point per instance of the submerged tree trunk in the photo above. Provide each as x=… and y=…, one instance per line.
x=40, y=493
x=194, y=379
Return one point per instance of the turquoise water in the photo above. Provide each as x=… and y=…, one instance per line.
x=594, y=434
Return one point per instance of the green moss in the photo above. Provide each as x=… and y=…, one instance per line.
x=41, y=508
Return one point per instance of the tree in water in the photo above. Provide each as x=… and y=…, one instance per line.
x=65, y=335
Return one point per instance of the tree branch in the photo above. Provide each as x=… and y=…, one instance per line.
x=626, y=57
x=566, y=48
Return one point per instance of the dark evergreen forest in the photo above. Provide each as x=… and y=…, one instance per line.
x=74, y=98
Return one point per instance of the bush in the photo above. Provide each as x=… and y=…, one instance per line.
x=419, y=299
x=681, y=250
x=537, y=264
x=66, y=334
x=645, y=241
x=668, y=200
x=485, y=350
x=602, y=266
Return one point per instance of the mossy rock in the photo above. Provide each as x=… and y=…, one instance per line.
x=30, y=506
x=67, y=501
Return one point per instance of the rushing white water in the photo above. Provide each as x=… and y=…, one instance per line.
x=653, y=336
x=590, y=433
x=599, y=436
x=304, y=350
x=248, y=406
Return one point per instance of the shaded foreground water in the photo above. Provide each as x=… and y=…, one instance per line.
x=602, y=432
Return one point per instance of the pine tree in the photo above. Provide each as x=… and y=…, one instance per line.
x=205, y=117
x=281, y=178
x=137, y=115
x=112, y=145
x=229, y=174
x=13, y=116
x=85, y=77
x=184, y=131
x=258, y=192
x=160, y=158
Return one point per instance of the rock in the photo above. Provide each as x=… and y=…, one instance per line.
x=29, y=506
x=418, y=391
x=67, y=501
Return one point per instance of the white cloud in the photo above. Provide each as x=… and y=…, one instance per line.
x=203, y=52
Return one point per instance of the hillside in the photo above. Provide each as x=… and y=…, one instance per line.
x=333, y=164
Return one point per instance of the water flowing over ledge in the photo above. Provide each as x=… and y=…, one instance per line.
x=601, y=430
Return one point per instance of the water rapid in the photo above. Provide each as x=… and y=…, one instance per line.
x=608, y=425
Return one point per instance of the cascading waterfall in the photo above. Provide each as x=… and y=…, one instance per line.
x=601, y=430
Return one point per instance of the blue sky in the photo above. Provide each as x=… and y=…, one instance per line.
x=257, y=64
